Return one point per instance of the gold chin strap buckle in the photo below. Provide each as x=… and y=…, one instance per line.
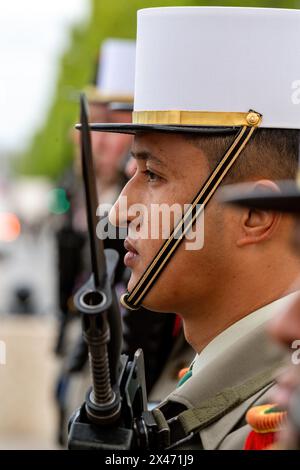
x=123, y=301
x=253, y=119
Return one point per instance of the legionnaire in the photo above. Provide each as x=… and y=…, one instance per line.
x=212, y=107
x=113, y=92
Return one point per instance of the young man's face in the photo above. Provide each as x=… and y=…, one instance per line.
x=171, y=170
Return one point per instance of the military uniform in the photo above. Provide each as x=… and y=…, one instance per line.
x=180, y=358
x=241, y=355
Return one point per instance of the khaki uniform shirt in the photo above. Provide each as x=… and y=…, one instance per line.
x=181, y=357
x=240, y=353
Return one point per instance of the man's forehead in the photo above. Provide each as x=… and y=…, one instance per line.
x=153, y=147
x=163, y=148
x=154, y=142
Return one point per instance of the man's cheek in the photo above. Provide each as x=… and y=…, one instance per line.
x=148, y=249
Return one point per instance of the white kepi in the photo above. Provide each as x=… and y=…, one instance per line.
x=208, y=66
x=116, y=71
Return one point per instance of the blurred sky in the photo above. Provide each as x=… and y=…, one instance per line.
x=33, y=35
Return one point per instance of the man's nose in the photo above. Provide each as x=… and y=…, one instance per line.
x=119, y=214
x=130, y=168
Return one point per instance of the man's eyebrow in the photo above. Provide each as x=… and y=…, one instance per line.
x=144, y=155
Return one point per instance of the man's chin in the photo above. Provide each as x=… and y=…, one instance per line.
x=132, y=281
x=152, y=301
x=157, y=299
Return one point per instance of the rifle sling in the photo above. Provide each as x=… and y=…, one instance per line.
x=189, y=422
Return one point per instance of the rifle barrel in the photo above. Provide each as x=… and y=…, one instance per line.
x=96, y=244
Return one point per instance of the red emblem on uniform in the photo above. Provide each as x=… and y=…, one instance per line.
x=266, y=421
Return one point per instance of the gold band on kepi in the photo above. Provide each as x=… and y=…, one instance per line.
x=207, y=122
x=196, y=118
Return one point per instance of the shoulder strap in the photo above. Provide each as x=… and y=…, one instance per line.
x=184, y=426
x=211, y=410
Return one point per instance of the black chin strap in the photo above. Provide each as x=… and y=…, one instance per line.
x=132, y=300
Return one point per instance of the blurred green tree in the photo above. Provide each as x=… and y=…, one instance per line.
x=50, y=151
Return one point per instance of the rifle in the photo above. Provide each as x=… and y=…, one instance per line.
x=114, y=414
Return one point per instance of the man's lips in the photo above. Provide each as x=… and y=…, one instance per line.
x=129, y=246
x=132, y=254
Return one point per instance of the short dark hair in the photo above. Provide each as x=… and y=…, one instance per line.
x=270, y=154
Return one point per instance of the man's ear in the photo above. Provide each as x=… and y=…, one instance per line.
x=258, y=225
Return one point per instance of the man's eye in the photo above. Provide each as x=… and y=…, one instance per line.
x=151, y=177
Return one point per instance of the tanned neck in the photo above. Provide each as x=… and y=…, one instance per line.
x=235, y=300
